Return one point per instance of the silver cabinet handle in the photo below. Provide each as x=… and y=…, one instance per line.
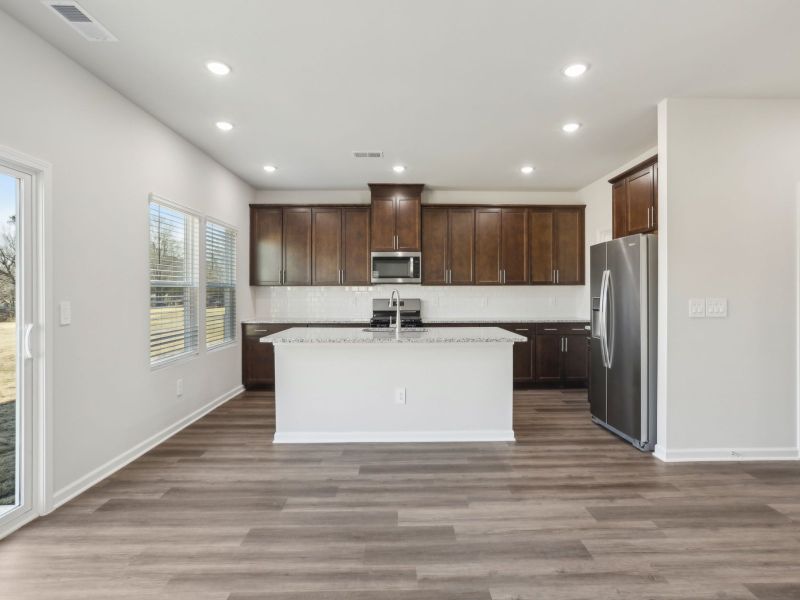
x=260, y=331
x=566, y=344
x=558, y=275
x=521, y=329
x=554, y=275
x=550, y=329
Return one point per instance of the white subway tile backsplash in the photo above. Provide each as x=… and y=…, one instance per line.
x=438, y=303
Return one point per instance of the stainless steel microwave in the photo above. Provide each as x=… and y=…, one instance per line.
x=396, y=267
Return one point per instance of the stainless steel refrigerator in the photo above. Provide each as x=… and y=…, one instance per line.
x=622, y=383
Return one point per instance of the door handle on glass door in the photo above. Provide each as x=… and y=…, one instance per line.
x=27, y=340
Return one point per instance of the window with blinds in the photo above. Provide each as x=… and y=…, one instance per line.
x=220, y=284
x=174, y=271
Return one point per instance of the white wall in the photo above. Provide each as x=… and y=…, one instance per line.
x=728, y=177
x=468, y=303
x=107, y=155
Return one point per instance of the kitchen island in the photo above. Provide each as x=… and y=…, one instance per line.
x=351, y=385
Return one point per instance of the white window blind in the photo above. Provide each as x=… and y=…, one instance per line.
x=220, y=284
x=174, y=269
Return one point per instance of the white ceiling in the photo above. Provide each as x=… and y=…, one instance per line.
x=462, y=92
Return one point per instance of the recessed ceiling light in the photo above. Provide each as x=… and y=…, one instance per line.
x=575, y=70
x=270, y=168
x=224, y=125
x=526, y=170
x=398, y=168
x=218, y=68
x=570, y=127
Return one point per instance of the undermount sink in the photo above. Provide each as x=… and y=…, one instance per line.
x=392, y=329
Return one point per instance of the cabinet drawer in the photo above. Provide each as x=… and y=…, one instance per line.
x=562, y=328
x=259, y=330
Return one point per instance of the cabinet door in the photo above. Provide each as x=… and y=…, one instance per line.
x=619, y=209
x=461, y=245
x=570, y=248
x=382, y=230
x=543, y=266
x=266, y=245
x=327, y=245
x=487, y=246
x=576, y=367
x=514, y=246
x=296, y=246
x=434, y=246
x=640, y=201
x=547, y=352
x=407, y=223
x=523, y=353
x=355, y=246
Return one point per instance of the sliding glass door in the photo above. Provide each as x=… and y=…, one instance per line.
x=16, y=372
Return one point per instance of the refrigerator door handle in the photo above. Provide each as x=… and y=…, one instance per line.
x=604, y=318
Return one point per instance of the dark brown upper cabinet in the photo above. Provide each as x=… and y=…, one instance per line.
x=396, y=219
x=501, y=246
x=634, y=199
x=266, y=245
x=448, y=246
x=557, y=247
x=297, y=244
x=320, y=245
x=327, y=246
x=341, y=246
x=355, y=246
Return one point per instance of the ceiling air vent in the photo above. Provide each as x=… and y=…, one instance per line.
x=81, y=21
x=367, y=154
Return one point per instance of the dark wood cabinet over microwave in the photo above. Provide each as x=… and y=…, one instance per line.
x=396, y=217
x=634, y=199
x=302, y=245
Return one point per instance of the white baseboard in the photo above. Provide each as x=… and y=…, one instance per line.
x=725, y=454
x=347, y=437
x=16, y=522
x=94, y=477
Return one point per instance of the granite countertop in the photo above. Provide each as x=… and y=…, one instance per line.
x=429, y=321
x=355, y=335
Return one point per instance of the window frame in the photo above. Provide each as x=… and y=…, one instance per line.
x=188, y=355
x=204, y=252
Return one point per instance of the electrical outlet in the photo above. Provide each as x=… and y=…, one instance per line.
x=65, y=312
x=716, y=308
x=400, y=395
x=179, y=388
x=697, y=308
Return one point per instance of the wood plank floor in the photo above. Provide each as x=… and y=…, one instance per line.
x=568, y=512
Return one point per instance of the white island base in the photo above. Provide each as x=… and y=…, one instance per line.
x=346, y=385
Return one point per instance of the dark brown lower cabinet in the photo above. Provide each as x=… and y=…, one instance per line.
x=552, y=354
x=561, y=355
x=258, y=360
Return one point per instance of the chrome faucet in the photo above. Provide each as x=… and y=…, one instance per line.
x=397, y=315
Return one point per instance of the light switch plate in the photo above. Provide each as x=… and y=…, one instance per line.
x=716, y=308
x=400, y=395
x=65, y=312
x=697, y=308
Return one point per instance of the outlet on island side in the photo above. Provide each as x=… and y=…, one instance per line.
x=179, y=388
x=400, y=395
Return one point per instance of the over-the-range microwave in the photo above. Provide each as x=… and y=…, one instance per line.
x=396, y=267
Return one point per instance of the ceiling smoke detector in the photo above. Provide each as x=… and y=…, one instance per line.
x=81, y=21
x=367, y=154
